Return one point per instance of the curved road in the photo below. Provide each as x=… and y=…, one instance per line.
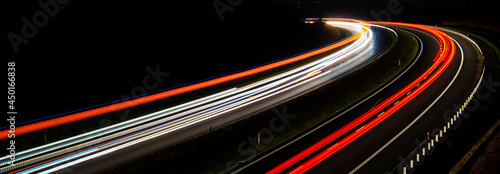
x=112, y=146
x=115, y=145
x=379, y=149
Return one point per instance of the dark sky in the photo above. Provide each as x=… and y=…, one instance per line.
x=92, y=51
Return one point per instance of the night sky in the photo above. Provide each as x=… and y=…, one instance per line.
x=95, y=51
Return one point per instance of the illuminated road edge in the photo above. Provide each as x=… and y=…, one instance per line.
x=379, y=112
x=74, y=150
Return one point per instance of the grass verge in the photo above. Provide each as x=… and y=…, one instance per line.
x=488, y=161
x=220, y=148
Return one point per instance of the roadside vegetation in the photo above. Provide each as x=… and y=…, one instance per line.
x=485, y=156
x=218, y=150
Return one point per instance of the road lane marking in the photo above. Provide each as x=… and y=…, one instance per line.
x=416, y=119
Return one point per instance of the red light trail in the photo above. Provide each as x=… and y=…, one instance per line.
x=445, y=56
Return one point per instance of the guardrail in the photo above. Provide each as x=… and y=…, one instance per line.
x=416, y=156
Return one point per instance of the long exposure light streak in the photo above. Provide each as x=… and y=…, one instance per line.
x=445, y=54
x=122, y=135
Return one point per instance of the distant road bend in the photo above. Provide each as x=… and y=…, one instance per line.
x=113, y=145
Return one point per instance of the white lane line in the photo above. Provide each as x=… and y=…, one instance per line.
x=298, y=138
x=416, y=119
x=182, y=109
x=288, y=75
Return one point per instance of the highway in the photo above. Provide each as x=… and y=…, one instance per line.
x=352, y=142
x=111, y=146
x=355, y=140
x=453, y=88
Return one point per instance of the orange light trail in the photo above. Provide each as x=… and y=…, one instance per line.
x=162, y=95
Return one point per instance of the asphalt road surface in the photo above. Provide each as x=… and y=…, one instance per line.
x=364, y=148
